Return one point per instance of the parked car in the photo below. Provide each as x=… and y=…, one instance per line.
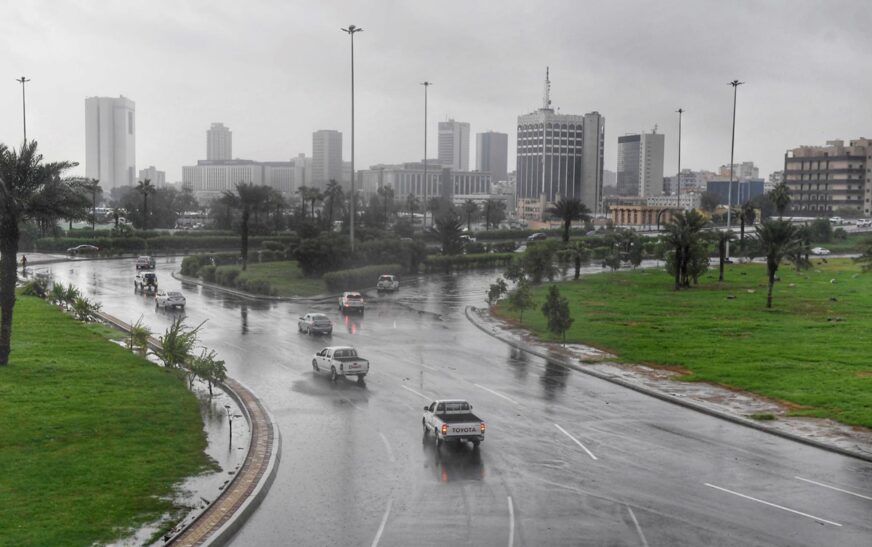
x=466, y=238
x=82, y=249
x=452, y=420
x=387, y=282
x=864, y=223
x=837, y=220
x=351, y=301
x=145, y=263
x=315, y=323
x=169, y=299
x=538, y=236
x=820, y=251
x=145, y=282
x=340, y=361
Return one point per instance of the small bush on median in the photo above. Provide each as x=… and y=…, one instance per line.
x=207, y=273
x=226, y=275
x=445, y=263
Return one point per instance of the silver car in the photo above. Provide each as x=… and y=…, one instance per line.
x=169, y=299
x=315, y=323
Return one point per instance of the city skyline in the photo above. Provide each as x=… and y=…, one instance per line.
x=778, y=109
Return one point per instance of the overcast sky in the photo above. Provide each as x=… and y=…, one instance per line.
x=274, y=71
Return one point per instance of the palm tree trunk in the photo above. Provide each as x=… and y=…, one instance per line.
x=577, y=265
x=722, y=256
x=566, y=224
x=8, y=275
x=771, y=284
x=145, y=211
x=243, y=230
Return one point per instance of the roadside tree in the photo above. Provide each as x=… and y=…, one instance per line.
x=496, y=291
x=247, y=199
x=722, y=238
x=778, y=240
x=145, y=188
x=780, y=198
x=684, y=238
x=521, y=299
x=208, y=368
x=556, y=311
x=538, y=261
x=494, y=212
x=29, y=189
x=177, y=343
x=470, y=209
x=568, y=210
x=334, y=199
x=450, y=227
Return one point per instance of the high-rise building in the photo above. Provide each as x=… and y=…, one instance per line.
x=454, y=145
x=326, y=157
x=592, y=150
x=832, y=178
x=157, y=178
x=110, y=141
x=219, y=143
x=640, y=164
x=491, y=154
x=551, y=158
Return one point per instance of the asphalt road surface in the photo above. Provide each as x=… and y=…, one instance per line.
x=568, y=459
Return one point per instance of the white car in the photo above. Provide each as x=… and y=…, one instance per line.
x=169, y=299
x=864, y=223
x=387, y=283
x=351, y=301
x=837, y=220
x=820, y=251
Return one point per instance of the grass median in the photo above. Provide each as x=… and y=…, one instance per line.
x=283, y=278
x=93, y=437
x=809, y=351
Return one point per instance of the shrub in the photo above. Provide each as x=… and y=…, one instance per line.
x=445, y=263
x=226, y=275
x=356, y=278
x=272, y=245
x=207, y=273
x=256, y=286
x=322, y=254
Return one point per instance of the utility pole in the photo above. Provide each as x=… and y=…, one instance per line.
x=735, y=84
x=23, y=81
x=351, y=30
x=678, y=179
x=426, y=85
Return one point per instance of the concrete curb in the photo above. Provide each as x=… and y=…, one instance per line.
x=472, y=316
x=226, y=514
x=242, y=294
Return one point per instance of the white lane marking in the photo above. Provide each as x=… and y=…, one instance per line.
x=825, y=521
x=511, y=523
x=497, y=393
x=381, y=527
x=638, y=528
x=428, y=367
x=589, y=453
x=388, y=446
x=834, y=488
x=418, y=393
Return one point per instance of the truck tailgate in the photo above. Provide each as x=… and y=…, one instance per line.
x=463, y=429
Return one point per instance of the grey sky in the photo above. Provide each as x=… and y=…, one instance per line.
x=274, y=71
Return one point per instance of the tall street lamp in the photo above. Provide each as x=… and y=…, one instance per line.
x=735, y=84
x=426, y=85
x=678, y=179
x=23, y=81
x=351, y=30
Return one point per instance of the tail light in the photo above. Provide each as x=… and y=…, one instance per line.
x=444, y=429
x=483, y=427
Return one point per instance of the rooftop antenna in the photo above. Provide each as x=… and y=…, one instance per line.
x=546, y=101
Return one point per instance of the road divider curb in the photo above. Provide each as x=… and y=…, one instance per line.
x=251, y=296
x=226, y=514
x=472, y=314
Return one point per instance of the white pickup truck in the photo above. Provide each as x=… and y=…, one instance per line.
x=388, y=282
x=340, y=361
x=452, y=420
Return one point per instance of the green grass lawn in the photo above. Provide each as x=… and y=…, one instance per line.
x=285, y=277
x=810, y=350
x=92, y=437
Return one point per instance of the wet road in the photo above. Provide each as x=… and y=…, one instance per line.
x=568, y=460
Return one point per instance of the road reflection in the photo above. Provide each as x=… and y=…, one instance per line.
x=553, y=379
x=452, y=462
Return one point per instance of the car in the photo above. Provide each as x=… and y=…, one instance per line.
x=339, y=361
x=466, y=238
x=820, y=251
x=837, y=220
x=864, y=223
x=538, y=236
x=387, y=282
x=315, y=323
x=82, y=249
x=145, y=282
x=145, y=263
x=169, y=299
x=351, y=301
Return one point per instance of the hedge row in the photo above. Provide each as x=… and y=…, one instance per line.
x=234, y=277
x=367, y=276
x=147, y=234
x=445, y=263
x=193, y=265
x=155, y=244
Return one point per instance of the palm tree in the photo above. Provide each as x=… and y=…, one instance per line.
x=778, y=239
x=412, y=204
x=387, y=195
x=247, y=199
x=333, y=198
x=145, y=188
x=450, y=227
x=747, y=215
x=578, y=252
x=494, y=212
x=570, y=209
x=780, y=197
x=312, y=195
x=682, y=235
x=723, y=238
x=92, y=186
x=29, y=189
x=469, y=209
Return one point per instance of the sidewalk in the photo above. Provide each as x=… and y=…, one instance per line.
x=734, y=406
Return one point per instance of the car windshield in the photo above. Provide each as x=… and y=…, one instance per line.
x=174, y=294
x=345, y=353
x=457, y=406
x=353, y=296
x=319, y=317
x=150, y=276
x=384, y=278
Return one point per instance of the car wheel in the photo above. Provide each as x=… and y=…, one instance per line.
x=475, y=444
x=333, y=375
x=315, y=365
x=424, y=425
x=309, y=330
x=361, y=379
x=438, y=441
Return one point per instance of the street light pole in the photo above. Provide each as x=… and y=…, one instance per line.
x=735, y=84
x=23, y=81
x=678, y=179
x=350, y=31
x=426, y=85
